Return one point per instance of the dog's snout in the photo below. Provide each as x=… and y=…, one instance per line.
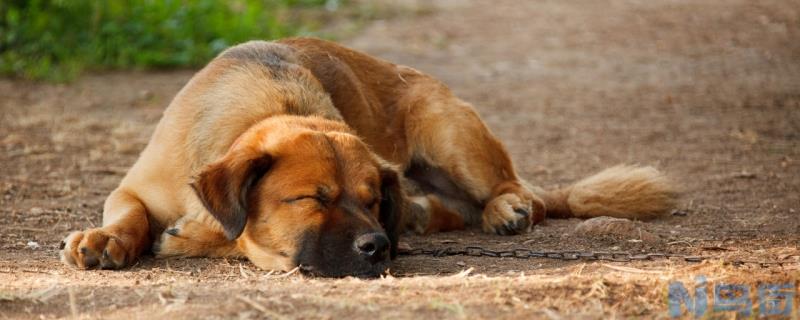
x=372, y=246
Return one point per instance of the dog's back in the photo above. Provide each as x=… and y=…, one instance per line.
x=242, y=86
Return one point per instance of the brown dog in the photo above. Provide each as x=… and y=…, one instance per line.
x=301, y=152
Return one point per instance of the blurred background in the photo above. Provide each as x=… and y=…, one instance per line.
x=58, y=39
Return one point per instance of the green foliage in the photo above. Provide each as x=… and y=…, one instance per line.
x=56, y=39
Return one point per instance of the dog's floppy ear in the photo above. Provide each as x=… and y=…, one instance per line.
x=392, y=207
x=224, y=187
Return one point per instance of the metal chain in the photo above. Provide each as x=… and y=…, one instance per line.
x=475, y=251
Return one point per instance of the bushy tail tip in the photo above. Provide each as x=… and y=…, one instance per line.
x=623, y=191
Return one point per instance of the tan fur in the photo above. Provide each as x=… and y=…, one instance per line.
x=245, y=153
x=623, y=191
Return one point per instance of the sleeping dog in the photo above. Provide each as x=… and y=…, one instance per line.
x=302, y=152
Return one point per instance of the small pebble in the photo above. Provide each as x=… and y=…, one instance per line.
x=33, y=245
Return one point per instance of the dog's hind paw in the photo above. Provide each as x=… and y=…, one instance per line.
x=510, y=213
x=169, y=244
x=191, y=238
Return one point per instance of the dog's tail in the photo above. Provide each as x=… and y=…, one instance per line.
x=622, y=191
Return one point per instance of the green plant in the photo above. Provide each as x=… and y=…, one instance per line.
x=57, y=39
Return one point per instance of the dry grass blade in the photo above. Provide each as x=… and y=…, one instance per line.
x=271, y=314
x=632, y=270
x=73, y=305
x=463, y=273
x=170, y=270
x=289, y=273
x=245, y=273
x=551, y=314
x=86, y=217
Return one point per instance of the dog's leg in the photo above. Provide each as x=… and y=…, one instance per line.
x=121, y=239
x=447, y=134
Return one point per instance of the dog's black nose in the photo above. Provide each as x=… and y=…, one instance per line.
x=372, y=246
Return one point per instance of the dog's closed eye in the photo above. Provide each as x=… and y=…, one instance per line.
x=298, y=198
x=304, y=197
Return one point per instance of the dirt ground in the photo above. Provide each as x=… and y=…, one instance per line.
x=708, y=91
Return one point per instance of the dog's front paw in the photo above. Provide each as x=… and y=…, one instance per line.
x=511, y=213
x=93, y=248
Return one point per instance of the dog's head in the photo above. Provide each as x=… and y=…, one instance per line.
x=306, y=192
